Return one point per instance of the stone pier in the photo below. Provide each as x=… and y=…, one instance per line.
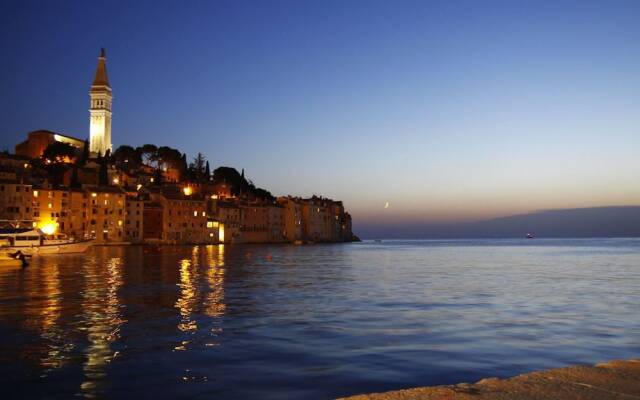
x=619, y=380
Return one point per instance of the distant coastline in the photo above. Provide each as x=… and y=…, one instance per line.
x=592, y=222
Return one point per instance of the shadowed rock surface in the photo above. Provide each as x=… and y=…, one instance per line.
x=608, y=381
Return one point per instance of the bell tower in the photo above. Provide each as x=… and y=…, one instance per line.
x=100, y=109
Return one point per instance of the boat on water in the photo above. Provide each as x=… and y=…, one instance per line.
x=30, y=242
x=530, y=236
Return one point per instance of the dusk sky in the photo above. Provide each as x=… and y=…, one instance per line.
x=449, y=111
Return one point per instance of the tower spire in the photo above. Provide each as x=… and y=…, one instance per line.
x=101, y=78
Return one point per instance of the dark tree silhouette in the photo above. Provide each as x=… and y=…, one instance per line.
x=59, y=152
x=148, y=153
x=168, y=157
x=126, y=157
x=84, y=157
x=103, y=172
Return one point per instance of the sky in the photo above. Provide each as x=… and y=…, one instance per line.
x=450, y=111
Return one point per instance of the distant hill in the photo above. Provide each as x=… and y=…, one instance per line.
x=577, y=222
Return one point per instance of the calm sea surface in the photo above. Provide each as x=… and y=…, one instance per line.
x=312, y=322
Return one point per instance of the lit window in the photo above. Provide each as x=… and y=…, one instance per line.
x=35, y=193
x=94, y=194
x=195, y=213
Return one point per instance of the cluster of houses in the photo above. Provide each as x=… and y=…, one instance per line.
x=64, y=185
x=132, y=208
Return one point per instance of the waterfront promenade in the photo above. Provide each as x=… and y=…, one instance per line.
x=607, y=381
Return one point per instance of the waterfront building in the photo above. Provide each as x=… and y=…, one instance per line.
x=50, y=207
x=106, y=213
x=313, y=214
x=101, y=99
x=254, y=223
x=184, y=218
x=152, y=222
x=15, y=201
x=275, y=223
x=228, y=213
x=74, y=217
x=134, y=219
x=292, y=216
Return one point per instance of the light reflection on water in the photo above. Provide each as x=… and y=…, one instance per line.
x=102, y=320
x=312, y=321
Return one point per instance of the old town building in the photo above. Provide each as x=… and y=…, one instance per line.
x=134, y=219
x=15, y=201
x=106, y=213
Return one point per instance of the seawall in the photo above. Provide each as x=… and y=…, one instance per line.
x=619, y=380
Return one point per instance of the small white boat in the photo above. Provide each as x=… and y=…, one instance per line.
x=31, y=241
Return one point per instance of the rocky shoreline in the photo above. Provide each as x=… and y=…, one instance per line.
x=607, y=381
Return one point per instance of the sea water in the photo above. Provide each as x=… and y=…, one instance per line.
x=314, y=321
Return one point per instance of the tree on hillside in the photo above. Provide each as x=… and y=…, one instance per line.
x=183, y=167
x=168, y=157
x=197, y=168
x=198, y=163
x=207, y=172
x=126, y=157
x=84, y=156
x=148, y=153
x=103, y=172
x=59, y=152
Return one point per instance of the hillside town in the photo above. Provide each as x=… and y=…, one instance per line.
x=83, y=188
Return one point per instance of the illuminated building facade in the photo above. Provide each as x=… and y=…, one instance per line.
x=38, y=141
x=106, y=213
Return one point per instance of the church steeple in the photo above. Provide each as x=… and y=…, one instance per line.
x=101, y=78
x=100, y=109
